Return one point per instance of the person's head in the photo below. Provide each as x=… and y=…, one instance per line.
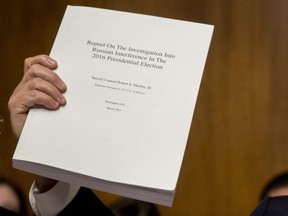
x=277, y=186
x=11, y=197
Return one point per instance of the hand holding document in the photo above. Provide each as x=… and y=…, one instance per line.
x=132, y=85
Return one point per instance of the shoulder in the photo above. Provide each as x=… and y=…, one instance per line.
x=272, y=206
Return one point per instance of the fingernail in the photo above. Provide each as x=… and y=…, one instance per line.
x=62, y=100
x=54, y=105
x=62, y=86
x=52, y=62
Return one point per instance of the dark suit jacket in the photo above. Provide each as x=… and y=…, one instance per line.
x=272, y=206
x=85, y=203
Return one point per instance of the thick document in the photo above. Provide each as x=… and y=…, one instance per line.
x=133, y=82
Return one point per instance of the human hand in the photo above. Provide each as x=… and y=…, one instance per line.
x=39, y=87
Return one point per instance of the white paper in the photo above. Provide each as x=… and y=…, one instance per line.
x=132, y=84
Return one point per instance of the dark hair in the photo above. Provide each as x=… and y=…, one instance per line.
x=279, y=181
x=18, y=191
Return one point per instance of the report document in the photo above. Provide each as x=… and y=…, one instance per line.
x=132, y=85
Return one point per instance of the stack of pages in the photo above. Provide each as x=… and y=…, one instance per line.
x=132, y=85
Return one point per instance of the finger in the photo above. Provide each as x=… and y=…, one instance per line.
x=43, y=60
x=41, y=85
x=38, y=98
x=23, y=101
x=41, y=72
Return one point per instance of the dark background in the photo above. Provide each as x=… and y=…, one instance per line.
x=238, y=139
